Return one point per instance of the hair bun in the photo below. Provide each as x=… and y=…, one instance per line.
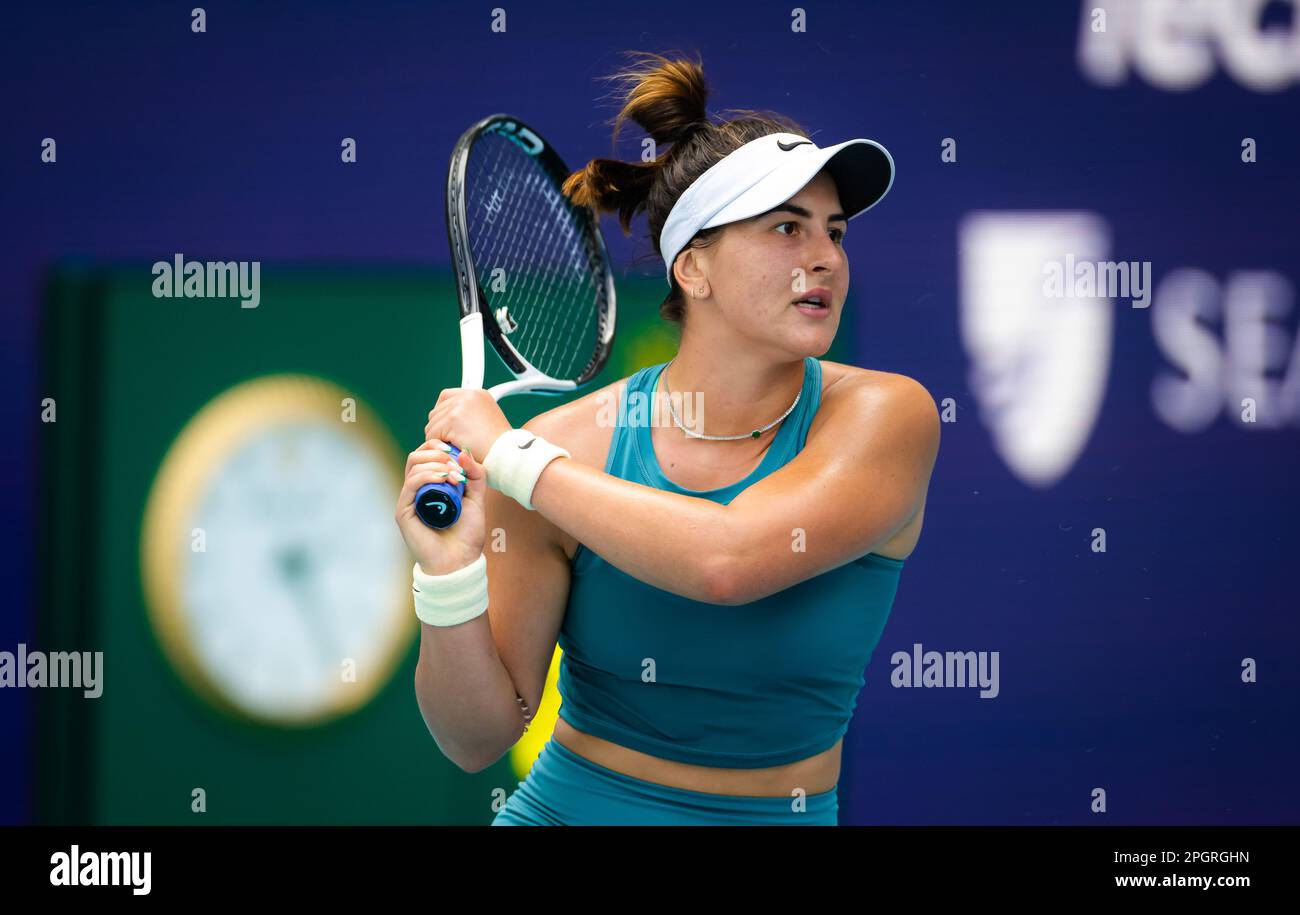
x=665, y=97
x=690, y=129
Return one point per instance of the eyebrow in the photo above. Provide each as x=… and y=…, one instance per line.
x=800, y=211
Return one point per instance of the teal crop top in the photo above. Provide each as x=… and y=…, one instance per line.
x=746, y=687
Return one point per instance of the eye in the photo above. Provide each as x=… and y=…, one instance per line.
x=836, y=234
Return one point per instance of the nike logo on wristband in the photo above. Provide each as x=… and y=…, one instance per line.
x=529, y=445
x=784, y=147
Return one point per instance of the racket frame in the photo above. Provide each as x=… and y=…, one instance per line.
x=478, y=324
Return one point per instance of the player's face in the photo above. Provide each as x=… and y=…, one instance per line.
x=760, y=266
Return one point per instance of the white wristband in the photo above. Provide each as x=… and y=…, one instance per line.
x=451, y=599
x=515, y=461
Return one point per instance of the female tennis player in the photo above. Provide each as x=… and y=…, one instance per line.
x=717, y=587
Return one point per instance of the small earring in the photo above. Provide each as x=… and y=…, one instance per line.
x=699, y=292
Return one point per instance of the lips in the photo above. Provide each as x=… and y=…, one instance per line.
x=821, y=296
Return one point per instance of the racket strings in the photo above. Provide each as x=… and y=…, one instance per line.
x=554, y=336
x=534, y=259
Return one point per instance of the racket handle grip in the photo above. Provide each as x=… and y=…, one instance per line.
x=438, y=504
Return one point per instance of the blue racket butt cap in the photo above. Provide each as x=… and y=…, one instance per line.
x=438, y=504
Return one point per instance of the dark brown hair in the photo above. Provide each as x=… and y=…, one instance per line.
x=667, y=99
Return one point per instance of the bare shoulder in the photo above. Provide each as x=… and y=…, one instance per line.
x=849, y=389
x=884, y=412
x=879, y=408
x=583, y=426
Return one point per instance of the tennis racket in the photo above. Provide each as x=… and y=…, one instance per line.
x=532, y=273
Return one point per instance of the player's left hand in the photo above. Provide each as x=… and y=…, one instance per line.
x=468, y=418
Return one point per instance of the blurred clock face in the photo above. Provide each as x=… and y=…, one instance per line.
x=280, y=583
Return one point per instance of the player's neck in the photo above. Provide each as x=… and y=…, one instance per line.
x=731, y=394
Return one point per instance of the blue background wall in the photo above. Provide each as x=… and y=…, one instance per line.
x=1119, y=670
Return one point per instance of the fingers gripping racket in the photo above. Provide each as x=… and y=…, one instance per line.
x=532, y=275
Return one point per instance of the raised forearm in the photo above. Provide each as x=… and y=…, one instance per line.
x=465, y=693
x=677, y=543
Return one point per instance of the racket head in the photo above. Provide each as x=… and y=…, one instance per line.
x=527, y=259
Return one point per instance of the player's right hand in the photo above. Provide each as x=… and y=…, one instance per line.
x=443, y=550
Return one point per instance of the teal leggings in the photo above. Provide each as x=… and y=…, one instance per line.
x=565, y=789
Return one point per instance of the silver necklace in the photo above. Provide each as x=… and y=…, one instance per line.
x=720, y=438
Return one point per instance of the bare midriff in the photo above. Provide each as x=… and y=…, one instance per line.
x=814, y=775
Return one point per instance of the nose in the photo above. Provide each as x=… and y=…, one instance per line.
x=825, y=255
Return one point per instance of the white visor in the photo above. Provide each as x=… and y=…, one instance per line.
x=767, y=172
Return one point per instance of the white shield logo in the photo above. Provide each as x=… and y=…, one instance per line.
x=1038, y=363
